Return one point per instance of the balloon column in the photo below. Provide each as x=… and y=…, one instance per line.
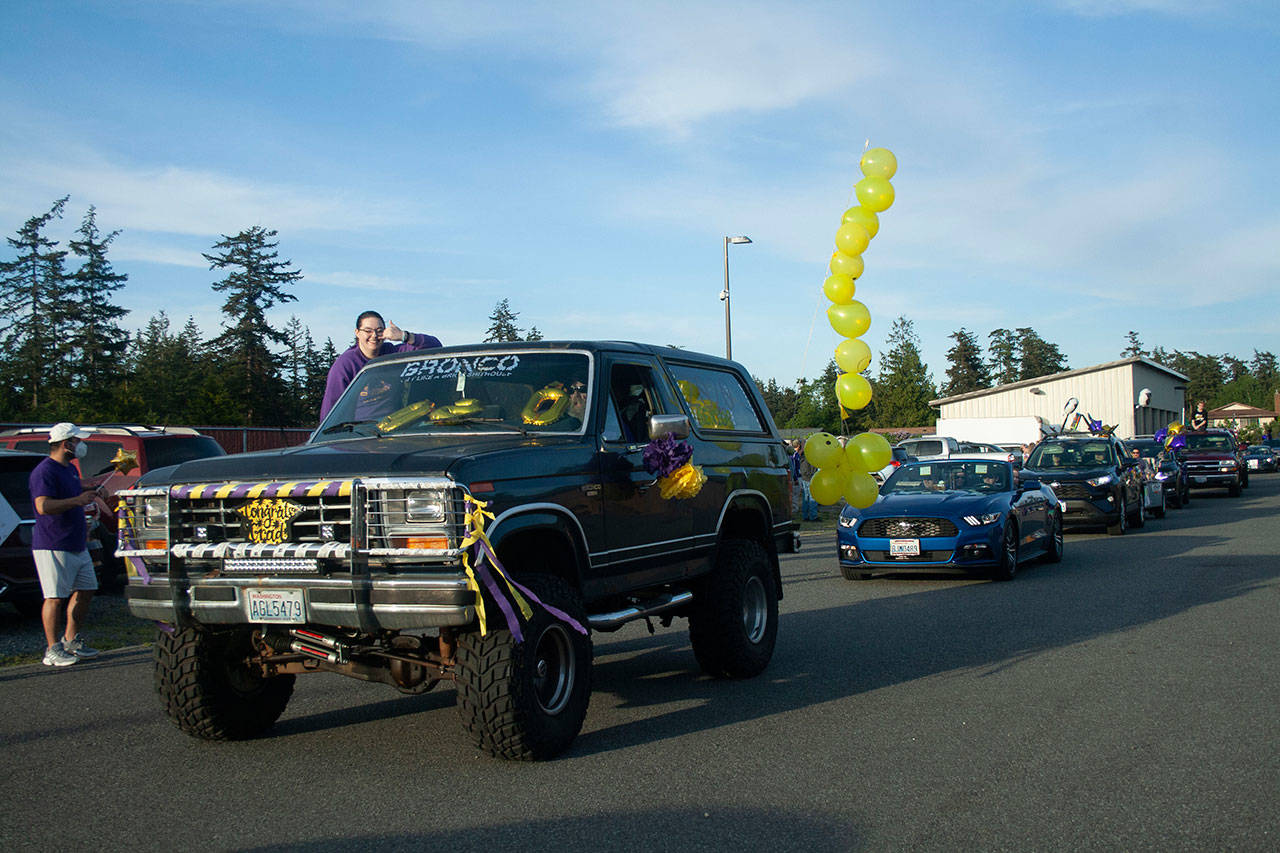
x=845, y=471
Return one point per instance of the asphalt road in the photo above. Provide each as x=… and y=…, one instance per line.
x=1124, y=699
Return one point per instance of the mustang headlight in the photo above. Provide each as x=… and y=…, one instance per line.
x=848, y=520
x=982, y=520
x=1100, y=481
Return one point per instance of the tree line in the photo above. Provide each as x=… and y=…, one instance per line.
x=65, y=355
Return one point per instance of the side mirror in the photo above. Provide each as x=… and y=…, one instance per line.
x=660, y=425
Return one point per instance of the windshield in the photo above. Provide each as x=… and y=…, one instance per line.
x=940, y=477
x=1146, y=449
x=1050, y=455
x=1259, y=449
x=536, y=391
x=1210, y=441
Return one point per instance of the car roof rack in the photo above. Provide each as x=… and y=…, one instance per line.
x=105, y=429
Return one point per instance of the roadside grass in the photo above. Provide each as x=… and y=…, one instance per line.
x=109, y=626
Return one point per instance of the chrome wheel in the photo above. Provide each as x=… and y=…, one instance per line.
x=755, y=609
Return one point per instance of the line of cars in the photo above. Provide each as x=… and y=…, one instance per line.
x=975, y=514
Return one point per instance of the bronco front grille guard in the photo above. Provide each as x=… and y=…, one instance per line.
x=356, y=551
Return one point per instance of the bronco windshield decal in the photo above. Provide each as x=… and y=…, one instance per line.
x=481, y=365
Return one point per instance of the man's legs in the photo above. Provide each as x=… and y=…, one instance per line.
x=50, y=615
x=76, y=612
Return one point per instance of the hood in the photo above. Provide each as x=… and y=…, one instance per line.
x=947, y=504
x=1066, y=474
x=409, y=455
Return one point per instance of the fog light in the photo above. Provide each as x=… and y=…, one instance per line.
x=849, y=552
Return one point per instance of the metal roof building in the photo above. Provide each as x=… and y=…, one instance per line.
x=1111, y=393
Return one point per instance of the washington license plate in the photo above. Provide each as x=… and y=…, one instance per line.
x=904, y=547
x=277, y=605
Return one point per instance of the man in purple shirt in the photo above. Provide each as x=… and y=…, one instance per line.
x=59, y=544
x=373, y=338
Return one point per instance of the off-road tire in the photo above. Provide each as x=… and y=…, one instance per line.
x=526, y=701
x=1122, y=520
x=733, y=624
x=207, y=689
x=1007, y=568
x=1053, y=553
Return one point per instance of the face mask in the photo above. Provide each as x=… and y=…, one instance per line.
x=81, y=450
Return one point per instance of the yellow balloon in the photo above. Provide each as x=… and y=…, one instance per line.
x=871, y=450
x=849, y=321
x=852, y=238
x=860, y=490
x=863, y=217
x=842, y=264
x=853, y=391
x=875, y=194
x=839, y=289
x=822, y=450
x=853, y=459
x=879, y=163
x=827, y=485
x=853, y=355
x=1175, y=428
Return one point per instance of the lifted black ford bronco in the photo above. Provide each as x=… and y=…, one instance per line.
x=346, y=554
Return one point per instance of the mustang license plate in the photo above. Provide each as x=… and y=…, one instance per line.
x=277, y=605
x=904, y=547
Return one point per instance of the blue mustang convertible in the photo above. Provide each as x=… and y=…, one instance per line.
x=951, y=515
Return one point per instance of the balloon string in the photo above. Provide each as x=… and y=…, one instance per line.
x=804, y=358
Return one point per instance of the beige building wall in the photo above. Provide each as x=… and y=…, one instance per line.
x=1109, y=392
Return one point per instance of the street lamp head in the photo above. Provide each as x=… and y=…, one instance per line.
x=738, y=239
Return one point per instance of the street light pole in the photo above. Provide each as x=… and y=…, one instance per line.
x=724, y=295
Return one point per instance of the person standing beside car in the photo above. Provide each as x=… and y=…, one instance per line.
x=59, y=544
x=373, y=338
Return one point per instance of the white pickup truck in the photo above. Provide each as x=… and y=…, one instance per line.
x=944, y=447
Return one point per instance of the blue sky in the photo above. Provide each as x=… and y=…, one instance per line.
x=1081, y=167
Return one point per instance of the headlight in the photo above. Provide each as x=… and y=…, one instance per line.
x=155, y=511
x=1227, y=466
x=1100, y=481
x=982, y=520
x=424, y=507
x=848, y=520
x=1162, y=476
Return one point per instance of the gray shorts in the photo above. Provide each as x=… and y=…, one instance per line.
x=63, y=572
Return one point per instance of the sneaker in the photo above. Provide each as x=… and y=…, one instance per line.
x=79, y=649
x=56, y=655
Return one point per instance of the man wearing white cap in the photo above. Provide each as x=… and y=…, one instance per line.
x=59, y=544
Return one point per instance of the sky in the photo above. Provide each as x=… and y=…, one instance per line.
x=1080, y=167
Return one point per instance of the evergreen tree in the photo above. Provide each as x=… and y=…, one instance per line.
x=904, y=387
x=1160, y=356
x=502, y=323
x=100, y=343
x=1036, y=356
x=1263, y=365
x=1133, y=348
x=966, y=370
x=1003, y=352
x=1205, y=376
x=256, y=282
x=318, y=363
x=33, y=301
x=1235, y=368
x=534, y=334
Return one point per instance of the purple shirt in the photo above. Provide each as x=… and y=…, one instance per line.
x=347, y=365
x=65, y=531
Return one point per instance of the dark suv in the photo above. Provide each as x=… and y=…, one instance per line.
x=1094, y=478
x=19, y=584
x=359, y=552
x=1213, y=460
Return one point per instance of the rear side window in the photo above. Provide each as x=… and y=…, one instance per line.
x=15, y=485
x=173, y=449
x=924, y=448
x=717, y=399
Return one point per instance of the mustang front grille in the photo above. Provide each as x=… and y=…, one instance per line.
x=906, y=528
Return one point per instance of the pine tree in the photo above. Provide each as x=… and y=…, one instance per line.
x=904, y=387
x=534, y=334
x=1205, y=376
x=502, y=323
x=1133, y=348
x=1003, y=352
x=33, y=299
x=966, y=371
x=256, y=282
x=1036, y=356
x=318, y=363
x=99, y=341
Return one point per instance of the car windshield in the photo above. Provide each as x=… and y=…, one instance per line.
x=1146, y=449
x=503, y=391
x=1051, y=455
x=1209, y=441
x=949, y=476
x=1255, y=449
